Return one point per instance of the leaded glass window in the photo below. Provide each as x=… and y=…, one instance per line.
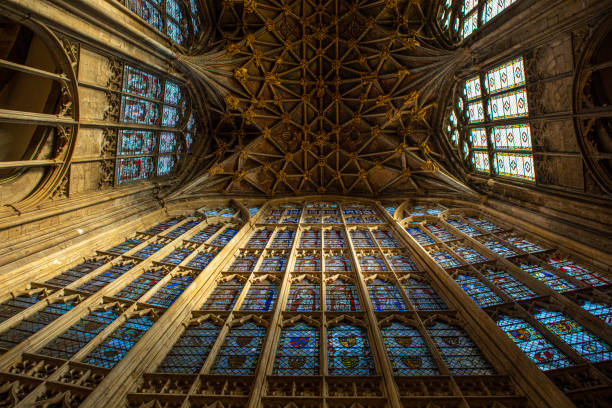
x=201, y=260
x=240, y=351
x=273, y=264
x=171, y=291
x=524, y=245
x=386, y=239
x=509, y=285
x=16, y=305
x=162, y=226
x=311, y=239
x=407, y=350
x=224, y=295
x=141, y=285
x=362, y=239
x=385, y=296
x=401, y=263
x=189, y=353
x=444, y=259
x=422, y=295
x=334, y=239
x=420, y=236
x=472, y=232
x=75, y=273
x=298, y=351
x=337, y=263
x=224, y=237
x=307, y=263
x=499, y=248
x=442, y=234
x=149, y=250
x=125, y=246
x=478, y=291
x=244, y=263
x=103, y=279
x=459, y=19
x=261, y=296
x=372, y=264
x=601, y=310
x=177, y=256
x=557, y=284
x=349, y=351
x=470, y=255
x=484, y=224
x=341, y=296
x=578, y=272
x=304, y=296
x=283, y=239
x=259, y=239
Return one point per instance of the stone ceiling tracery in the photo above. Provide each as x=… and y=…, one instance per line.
x=315, y=96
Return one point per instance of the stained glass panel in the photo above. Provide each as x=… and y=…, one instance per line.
x=178, y=231
x=423, y=296
x=11, y=307
x=480, y=159
x=444, y=259
x=168, y=142
x=201, y=260
x=493, y=7
x=298, y=351
x=372, y=264
x=273, y=264
x=307, y=263
x=541, y=274
x=136, y=142
x=420, y=236
x=224, y=296
x=106, y=277
x=145, y=10
x=341, y=296
x=244, y=263
x=601, y=310
x=386, y=239
x=508, y=105
x=470, y=24
x=261, y=296
x=362, y=239
x=499, y=248
x=525, y=245
x=259, y=239
x=514, y=165
x=385, y=296
x=478, y=291
x=509, y=285
x=401, y=263
x=334, y=239
x=224, y=237
x=141, y=83
x=544, y=354
x=139, y=111
x=304, y=296
x=506, y=76
x=470, y=255
x=165, y=164
x=475, y=112
x=177, y=256
x=466, y=229
x=240, y=351
x=171, y=291
x=162, y=226
x=441, y=233
x=471, y=91
x=189, y=353
x=141, y=285
x=337, y=263
x=478, y=138
x=125, y=246
x=484, y=224
x=149, y=250
x=407, y=350
x=578, y=272
x=75, y=273
x=137, y=168
x=349, y=351
x=310, y=239
x=513, y=137
x=283, y=239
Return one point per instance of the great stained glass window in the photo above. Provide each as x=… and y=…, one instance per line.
x=578, y=272
x=11, y=307
x=478, y=291
x=499, y=248
x=261, y=296
x=224, y=296
x=162, y=226
x=407, y=350
x=544, y=354
x=240, y=351
x=178, y=231
x=189, y=353
x=283, y=239
x=177, y=256
x=170, y=291
x=386, y=239
x=349, y=351
x=524, y=245
x=420, y=236
x=201, y=260
x=401, y=263
x=224, y=237
x=148, y=250
x=509, y=285
x=205, y=234
x=444, y=259
x=550, y=279
x=458, y=351
x=470, y=255
x=423, y=296
x=441, y=233
x=117, y=344
x=141, y=285
x=362, y=239
x=298, y=351
x=484, y=224
x=472, y=232
x=385, y=296
x=244, y=264
x=304, y=296
x=341, y=296
x=580, y=339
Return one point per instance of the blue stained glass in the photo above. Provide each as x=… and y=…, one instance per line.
x=332, y=220
x=386, y=239
x=162, y=226
x=139, y=111
x=337, y=263
x=312, y=220
x=16, y=305
x=442, y=234
x=141, y=83
x=165, y=164
x=354, y=220
x=391, y=209
x=275, y=211
x=544, y=354
x=294, y=211
x=145, y=10
x=478, y=291
x=33, y=323
x=586, y=344
x=201, y=260
x=261, y=296
x=578, y=272
x=444, y=259
x=170, y=116
x=259, y=239
x=341, y=296
x=78, y=335
x=273, y=264
x=116, y=346
x=407, y=350
x=304, y=296
x=525, y=245
x=470, y=255
x=385, y=296
x=177, y=256
x=362, y=239
x=310, y=239
x=601, y=310
x=283, y=239
x=142, y=284
x=172, y=93
x=244, y=264
x=178, y=231
x=420, y=236
x=253, y=211
x=541, y=274
x=370, y=219
x=484, y=224
x=307, y=264
x=148, y=251
x=76, y=272
x=401, y=263
x=224, y=237
x=136, y=142
x=510, y=285
x=125, y=246
x=137, y=168
x=458, y=351
x=334, y=239
x=349, y=351
x=298, y=351
x=211, y=213
x=372, y=264
x=224, y=296
x=419, y=210
x=466, y=229
x=240, y=351
x=368, y=211
x=350, y=211
x=168, y=142
x=423, y=296
x=189, y=352
x=188, y=141
x=103, y=279
x=291, y=220
x=205, y=234
x=171, y=291
x=499, y=249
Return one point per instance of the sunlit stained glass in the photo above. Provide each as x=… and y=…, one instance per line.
x=506, y=76
x=484, y=224
x=349, y=351
x=259, y=239
x=334, y=239
x=524, y=245
x=11, y=307
x=444, y=259
x=441, y=233
x=337, y=263
x=244, y=263
x=166, y=295
x=341, y=296
x=188, y=354
x=177, y=256
x=307, y=263
x=117, y=344
x=224, y=237
x=407, y=350
x=385, y=296
x=499, y=248
x=580, y=339
x=298, y=351
x=601, y=310
x=133, y=169
x=224, y=296
x=106, y=277
x=273, y=263
x=125, y=246
x=283, y=239
x=544, y=354
x=578, y=272
x=514, y=137
x=466, y=229
x=310, y=239
x=401, y=263
x=362, y=239
x=470, y=255
x=180, y=230
x=385, y=239
x=514, y=165
x=141, y=285
x=136, y=142
x=420, y=236
x=509, y=285
x=458, y=351
x=304, y=296
x=75, y=273
x=550, y=279
x=372, y=264
x=422, y=295
x=201, y=260
x=478, y=291
x=261, y=296
x=240, y=351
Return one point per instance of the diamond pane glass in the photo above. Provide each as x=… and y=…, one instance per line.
x=298, y=351
x=407, y=350
x=349, y=351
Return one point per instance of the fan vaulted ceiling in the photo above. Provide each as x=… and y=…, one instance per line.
x=325, y=97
